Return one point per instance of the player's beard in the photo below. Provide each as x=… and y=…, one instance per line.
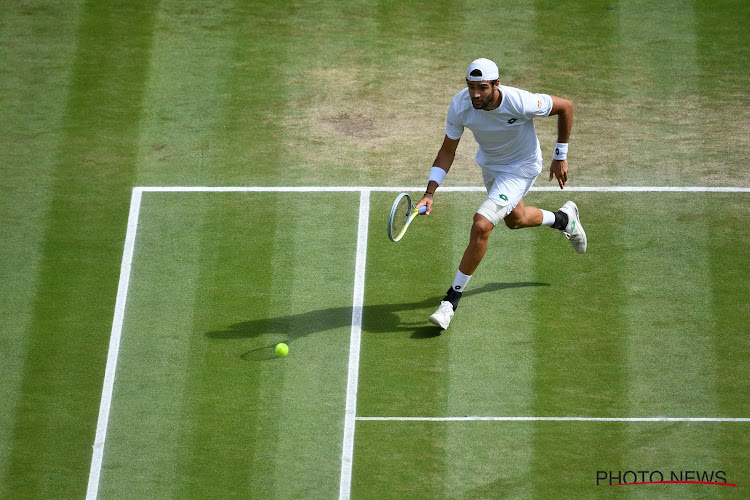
x=486, y=103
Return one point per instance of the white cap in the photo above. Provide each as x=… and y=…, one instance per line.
x=482, y=70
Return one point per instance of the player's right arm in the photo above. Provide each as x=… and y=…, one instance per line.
x=444, y=160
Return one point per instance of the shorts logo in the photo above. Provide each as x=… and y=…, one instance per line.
x=503, y=197
x=512, y=121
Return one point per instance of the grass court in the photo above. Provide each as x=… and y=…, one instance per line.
x=184, y=185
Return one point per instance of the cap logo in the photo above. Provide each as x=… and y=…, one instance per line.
x=476, y=72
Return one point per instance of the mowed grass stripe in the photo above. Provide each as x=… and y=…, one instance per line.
x=580, y=68
x=657, y=70
x=187, y=267
x=187, y=96
x=578, y=303
x=476, y=367
x=37, y=48
x=723, y=56
x=491, y=353
x=154, y=350
x=221, y=405
x=215, y=115
x=579, y=356
x=253, y=127
x=236, y=129
x=729, y=247
x=317, y=322
x=404, y=361
x=495, y=320
x=246, y=140
x=669, y=339
x=93, y=172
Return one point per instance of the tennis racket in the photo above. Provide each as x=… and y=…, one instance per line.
x=402, y=213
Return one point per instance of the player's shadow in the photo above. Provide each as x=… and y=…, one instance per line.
x=376, y=318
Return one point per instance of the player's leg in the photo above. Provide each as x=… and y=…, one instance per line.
x=478, y=238
x=524, y=216
x=504, y=194
x=566, y=219
x=475, y=250
x=527, y=216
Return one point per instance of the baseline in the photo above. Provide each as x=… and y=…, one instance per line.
x=449, y=189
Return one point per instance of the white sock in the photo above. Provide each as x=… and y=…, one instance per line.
x=460, y=282
x=548, y=218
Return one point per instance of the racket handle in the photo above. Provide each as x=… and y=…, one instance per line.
x=422, y=209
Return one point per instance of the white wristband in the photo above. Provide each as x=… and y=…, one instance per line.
x=561, y=151
x=437, y=174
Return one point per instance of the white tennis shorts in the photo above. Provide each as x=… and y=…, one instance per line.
x=504, y=192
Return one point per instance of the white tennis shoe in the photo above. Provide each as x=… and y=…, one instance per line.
x=442, y=317
x=574, y=230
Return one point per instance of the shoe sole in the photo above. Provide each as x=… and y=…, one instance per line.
x=436, y=322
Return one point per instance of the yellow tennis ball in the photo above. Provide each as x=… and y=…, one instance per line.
x=282, y=350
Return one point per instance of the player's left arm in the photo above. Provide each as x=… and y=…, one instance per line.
x=563, y=108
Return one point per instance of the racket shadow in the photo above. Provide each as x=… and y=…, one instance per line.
x=377, y=318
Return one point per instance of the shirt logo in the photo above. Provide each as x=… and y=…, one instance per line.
x=512, y=121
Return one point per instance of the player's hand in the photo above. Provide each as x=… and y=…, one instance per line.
x=426, y=201
x=559, y=170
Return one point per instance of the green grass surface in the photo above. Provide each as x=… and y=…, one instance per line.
x=216, y=414
x=203, y=408
x=98, y=97
x=630, y=329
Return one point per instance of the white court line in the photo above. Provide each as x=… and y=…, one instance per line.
x=553, y=419
x=114, y=346
x=347, y=456
x=449, y=189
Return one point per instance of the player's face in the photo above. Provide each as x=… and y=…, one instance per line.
x=482, y=94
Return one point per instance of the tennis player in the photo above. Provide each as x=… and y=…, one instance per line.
x=502, y=121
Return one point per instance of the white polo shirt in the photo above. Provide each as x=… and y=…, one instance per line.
x=506, y=135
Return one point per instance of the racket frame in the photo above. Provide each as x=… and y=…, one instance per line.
x=410, y=214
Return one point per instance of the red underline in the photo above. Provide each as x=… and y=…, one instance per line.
x=674, y=482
